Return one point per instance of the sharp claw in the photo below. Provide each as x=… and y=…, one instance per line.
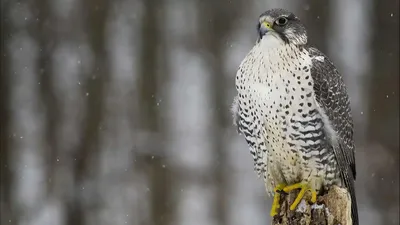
x=298, y=199
x=281, y=192
x=313, y=196
x=275, y=205
x=303, y=188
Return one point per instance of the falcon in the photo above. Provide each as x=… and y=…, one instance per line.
x=293, y=109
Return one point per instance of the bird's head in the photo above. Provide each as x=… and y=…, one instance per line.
x=282, y=24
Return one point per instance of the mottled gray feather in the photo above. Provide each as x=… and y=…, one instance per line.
x=236, y=114
x=332, y=96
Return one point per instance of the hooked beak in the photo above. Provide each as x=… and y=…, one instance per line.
x=265, y=27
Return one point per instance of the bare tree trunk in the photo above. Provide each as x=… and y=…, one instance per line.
x=6, y=178
x=333, y=208
x=317, y=14
x=87, y=151
x=384, y=90
x=384, y=104
x=214, y=45
x=46, y=40
x=221, y=17
x=151, y=71
x=147, y=82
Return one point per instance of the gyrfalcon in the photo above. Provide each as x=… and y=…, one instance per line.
x=293, y=109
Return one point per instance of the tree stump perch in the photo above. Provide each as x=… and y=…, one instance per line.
x=332, y=208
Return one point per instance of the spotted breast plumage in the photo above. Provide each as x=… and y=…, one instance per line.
x=294, y=112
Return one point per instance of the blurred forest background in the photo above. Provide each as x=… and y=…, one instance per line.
x=117, y=112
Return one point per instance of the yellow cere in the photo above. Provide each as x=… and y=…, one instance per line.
x=266, y=24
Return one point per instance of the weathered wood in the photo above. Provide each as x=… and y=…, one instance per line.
x=333, y=208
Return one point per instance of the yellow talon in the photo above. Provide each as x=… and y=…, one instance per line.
x=303, y=188
x=275, y=203
x=313, y=196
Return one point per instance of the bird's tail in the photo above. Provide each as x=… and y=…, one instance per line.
x=348, y=179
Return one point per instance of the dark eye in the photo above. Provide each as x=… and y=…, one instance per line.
x=281, y=21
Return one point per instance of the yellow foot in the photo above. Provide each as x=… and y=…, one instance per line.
x=275, y=203
x=303, y=188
